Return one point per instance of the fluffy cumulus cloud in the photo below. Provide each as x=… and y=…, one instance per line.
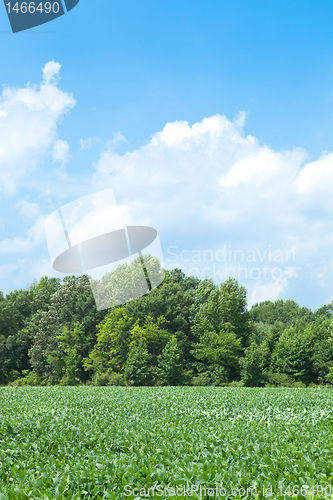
x=61, y=153
x=28, y=126
x=51, y=72
x=226, y=205
x=223, y=203
x=29, y=118
x=35, y=236
x=86, y=144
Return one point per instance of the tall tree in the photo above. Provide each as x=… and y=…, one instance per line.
x=255, y=363
x=219, y=350
x=293, y=352
x=138, y=369
x=20, y=313
x=72, y=303
x=225, y=310
x=113, y=343
x=171, y=364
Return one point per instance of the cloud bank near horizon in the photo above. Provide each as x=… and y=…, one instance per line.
x=208, y=188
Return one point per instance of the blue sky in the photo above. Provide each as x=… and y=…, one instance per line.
x=131, y=68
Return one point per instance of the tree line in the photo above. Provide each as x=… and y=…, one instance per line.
x=187, y=331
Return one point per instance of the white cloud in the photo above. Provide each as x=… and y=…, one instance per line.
x=314, y=185
x=116, y=139
x=19, y=244
x=28, y=209
x=261, y=291
x=28, y=126
x=26, y=271
x=202, y=187
x=207, y=185
x=51, y=72
x=61, y=153
x=263, y=168
x=86, y=144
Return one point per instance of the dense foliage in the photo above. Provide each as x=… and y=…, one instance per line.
x=92, y=442
x=185, y=332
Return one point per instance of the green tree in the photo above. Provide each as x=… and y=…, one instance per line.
x=292, y=354
x=67, y=359
x=172, y=300
x=20, y=313
x=288, y=312
x=153, y=335
x=113, y=343
x=201, y=295
x=322, y=359
x=219, y=350
x=329, y=376
x=260, y=332
x=170, y=364
x=254, y=365
x=326, y=311
x=224, y=310
x=72, y=303
x=128, y=282
x=138, y=369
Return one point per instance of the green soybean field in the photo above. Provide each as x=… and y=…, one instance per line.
x=165, y=442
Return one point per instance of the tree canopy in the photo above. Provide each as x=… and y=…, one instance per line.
x=185, y=331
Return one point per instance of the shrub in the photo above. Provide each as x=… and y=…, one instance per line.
x=188, y=377
x=278, y=380
x=116, y=379
x=101, y=380
x=30, y=378
x=13, y=375
x=298, y=384
x=329, y=376
x=203, y=379
x=236, y=383
x=108, y=379
x=312, y=385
